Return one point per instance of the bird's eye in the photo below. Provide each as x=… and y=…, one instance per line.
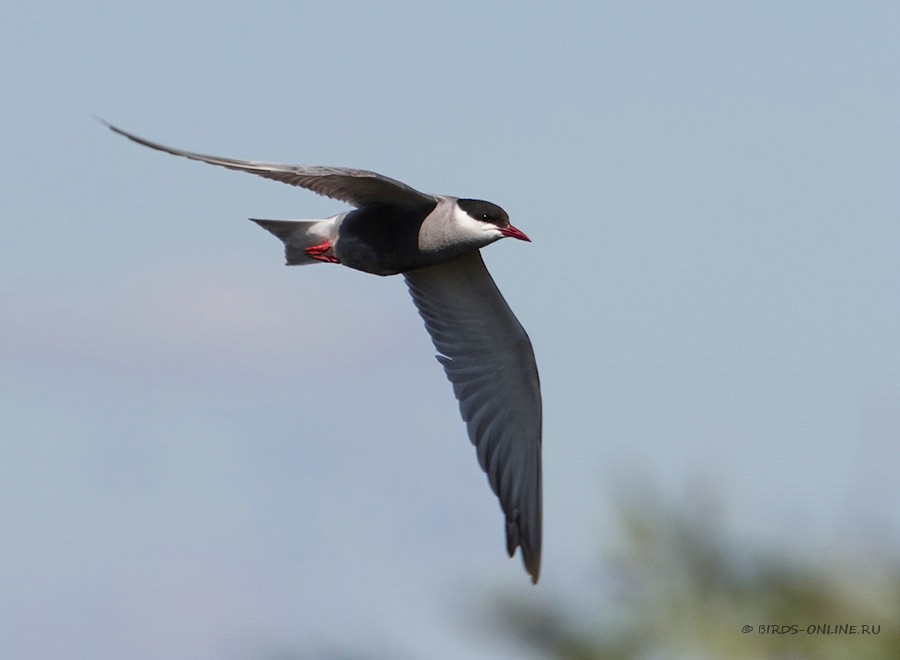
x=486, y=216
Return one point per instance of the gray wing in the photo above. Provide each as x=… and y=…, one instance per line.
x=356, y=187
x=488, y=357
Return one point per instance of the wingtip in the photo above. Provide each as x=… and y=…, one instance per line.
x=532, y=563
x=530, y=559
x=533, y=567
x=119, y=131
x=108, y=125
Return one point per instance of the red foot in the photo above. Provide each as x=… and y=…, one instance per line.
x=323, y=252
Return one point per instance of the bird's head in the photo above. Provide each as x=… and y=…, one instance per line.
x=487, y=220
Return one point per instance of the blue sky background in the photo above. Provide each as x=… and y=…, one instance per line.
x=204, y=454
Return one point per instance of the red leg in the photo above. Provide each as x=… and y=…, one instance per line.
x=323, y=252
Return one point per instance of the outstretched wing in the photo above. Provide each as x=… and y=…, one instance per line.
x=488, y=357
x=356, y=187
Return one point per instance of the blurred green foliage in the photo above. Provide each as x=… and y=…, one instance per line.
x=683, y=590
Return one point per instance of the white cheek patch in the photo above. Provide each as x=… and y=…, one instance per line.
x=469, y=226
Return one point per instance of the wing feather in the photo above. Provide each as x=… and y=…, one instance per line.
x=356, y=187
x=489, y=360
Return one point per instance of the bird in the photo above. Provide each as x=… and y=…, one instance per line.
x=434, y=241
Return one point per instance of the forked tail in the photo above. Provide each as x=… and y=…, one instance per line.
x=305, y=241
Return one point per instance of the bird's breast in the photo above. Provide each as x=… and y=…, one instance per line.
x=386, y=240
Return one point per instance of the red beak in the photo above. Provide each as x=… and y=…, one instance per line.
x=512, y=232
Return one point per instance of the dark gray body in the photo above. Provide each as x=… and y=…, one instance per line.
x=383, y=240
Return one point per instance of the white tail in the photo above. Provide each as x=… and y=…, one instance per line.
x=298, y=235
